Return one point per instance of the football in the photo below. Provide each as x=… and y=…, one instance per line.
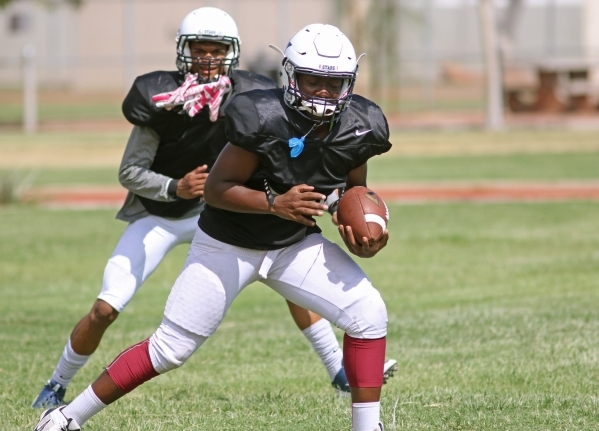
x=365, y=212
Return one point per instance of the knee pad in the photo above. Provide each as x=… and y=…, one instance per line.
x=119, y=283
x=369, y=317
x=171, y=346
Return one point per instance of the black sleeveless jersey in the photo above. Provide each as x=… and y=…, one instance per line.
x=260, y=122
x=185, y=142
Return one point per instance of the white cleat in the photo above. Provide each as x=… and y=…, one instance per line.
x=55, y=420
x=389, y=369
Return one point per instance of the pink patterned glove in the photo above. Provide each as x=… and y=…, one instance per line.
x=194, y=96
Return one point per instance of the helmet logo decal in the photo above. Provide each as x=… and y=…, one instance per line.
x=327, y=67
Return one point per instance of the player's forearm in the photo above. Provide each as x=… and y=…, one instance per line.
x=146, y=183
x=135, y=173
x=236, y=197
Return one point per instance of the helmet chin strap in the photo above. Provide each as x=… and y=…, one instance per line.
x=202, y=80
x=317, y=109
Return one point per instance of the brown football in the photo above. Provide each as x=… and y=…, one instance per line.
x=365, y=212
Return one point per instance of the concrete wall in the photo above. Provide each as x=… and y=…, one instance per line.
x=106, y=43
x=433, y=32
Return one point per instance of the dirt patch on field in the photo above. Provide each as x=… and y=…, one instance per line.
x=490, y=192
x=95, y=197
x=77, y=197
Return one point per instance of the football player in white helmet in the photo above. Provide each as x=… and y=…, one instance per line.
x=310, y=56
x=166, y=186
x=259, y=224
x=220, y=47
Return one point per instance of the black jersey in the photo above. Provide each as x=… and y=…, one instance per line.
x=185, y=142
x=260, y=122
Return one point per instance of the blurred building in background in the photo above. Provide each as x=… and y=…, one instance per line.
x=104, y=44
x=421, y=54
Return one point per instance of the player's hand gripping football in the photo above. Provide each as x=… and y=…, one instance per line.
x=297, y=203
x=192, y=184
x=365, y=249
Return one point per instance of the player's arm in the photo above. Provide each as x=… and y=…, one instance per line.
x=357, y=177
x=225, y=189
x=136, y=176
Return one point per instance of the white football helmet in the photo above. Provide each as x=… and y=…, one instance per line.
x=319, y=49
x=208, y=24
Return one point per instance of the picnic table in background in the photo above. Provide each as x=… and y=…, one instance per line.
x=557, y=85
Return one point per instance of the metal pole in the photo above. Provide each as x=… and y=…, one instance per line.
x=494, y=114
x=29, y=89
x=428, y=73
x=129, y=51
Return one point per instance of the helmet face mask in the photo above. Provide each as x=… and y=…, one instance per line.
x=208, y=24
x=317, y=108
x=323, y=51
x=193, y=62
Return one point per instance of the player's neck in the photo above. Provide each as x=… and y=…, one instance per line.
x=322, y=131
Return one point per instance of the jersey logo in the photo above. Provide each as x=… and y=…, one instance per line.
x=362, y=132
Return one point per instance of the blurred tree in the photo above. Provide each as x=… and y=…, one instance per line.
x=50, y=3
x=494, y=85
x=373, y=28
x=382, y=31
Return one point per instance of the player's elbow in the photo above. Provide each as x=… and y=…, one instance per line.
x=126, y=175
x=210, y=192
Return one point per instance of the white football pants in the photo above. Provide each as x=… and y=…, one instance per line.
x=140, y=250
x=313, y=273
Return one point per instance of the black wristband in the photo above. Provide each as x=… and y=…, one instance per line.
x=333, y=207
x=171, y=190
x=269, y=196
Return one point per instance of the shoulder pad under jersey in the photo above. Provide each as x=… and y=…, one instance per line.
x=245, y=115
x=243, y=81
x=138, y=107
x=371, y=116
x=371, y=128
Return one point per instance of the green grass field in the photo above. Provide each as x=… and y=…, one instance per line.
x=68, y=158
x=493, y=312
x=396, y=168
x=492, y=317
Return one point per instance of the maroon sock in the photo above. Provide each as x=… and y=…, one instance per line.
x=364, y=361
x=132, y=367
